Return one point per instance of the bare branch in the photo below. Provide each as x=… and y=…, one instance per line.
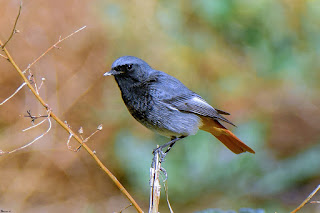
x=17, y=90
x=14, y=27
x=65, y=126
x=307, y=199
x=34, y=140
x=53, y=46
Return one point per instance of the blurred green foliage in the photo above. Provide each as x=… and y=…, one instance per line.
x=257, y=58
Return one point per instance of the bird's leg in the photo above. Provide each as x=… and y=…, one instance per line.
x=170, y=144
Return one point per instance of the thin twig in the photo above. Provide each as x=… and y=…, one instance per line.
x=17, y=90
x=167, y=195
x=68, y=144
x=33, y=118
x=31, y=127
x=97, y=130
x=5, y=57
x=124, y=208
x=34, y=140
x=80, y=131
x=65, y=126
x=53, y=46
x=14, y=26
x=307, y=199
x=35, y=83
x=42, y=82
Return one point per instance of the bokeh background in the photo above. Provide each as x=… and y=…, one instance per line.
x=258, y=60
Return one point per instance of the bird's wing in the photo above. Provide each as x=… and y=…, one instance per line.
x=195, y=104
x=173, y=93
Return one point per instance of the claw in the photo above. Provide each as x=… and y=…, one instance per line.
x=161, y=153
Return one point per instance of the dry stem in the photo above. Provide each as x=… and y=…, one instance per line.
x=60, y=122
x=307, y=199
x=155, y=187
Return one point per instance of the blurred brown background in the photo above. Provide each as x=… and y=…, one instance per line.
x=258, y=60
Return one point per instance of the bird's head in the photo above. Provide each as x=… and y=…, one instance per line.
x=129, y=67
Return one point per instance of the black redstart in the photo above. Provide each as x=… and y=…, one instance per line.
x=163, y=104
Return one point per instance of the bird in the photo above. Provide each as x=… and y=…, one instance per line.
x=166, y=106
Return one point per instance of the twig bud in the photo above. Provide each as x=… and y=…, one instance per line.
x=100, y=127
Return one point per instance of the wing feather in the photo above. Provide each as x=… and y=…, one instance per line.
x=195, y=104
x=182, y=98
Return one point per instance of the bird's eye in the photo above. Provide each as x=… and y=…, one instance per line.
x=129, y=66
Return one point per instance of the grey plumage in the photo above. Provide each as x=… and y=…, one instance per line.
x=149, y=97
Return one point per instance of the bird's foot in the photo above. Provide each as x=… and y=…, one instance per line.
x=159, y=151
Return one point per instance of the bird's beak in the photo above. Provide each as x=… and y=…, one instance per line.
x=111, y=72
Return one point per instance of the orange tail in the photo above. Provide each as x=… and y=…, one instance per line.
x=224, y=135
